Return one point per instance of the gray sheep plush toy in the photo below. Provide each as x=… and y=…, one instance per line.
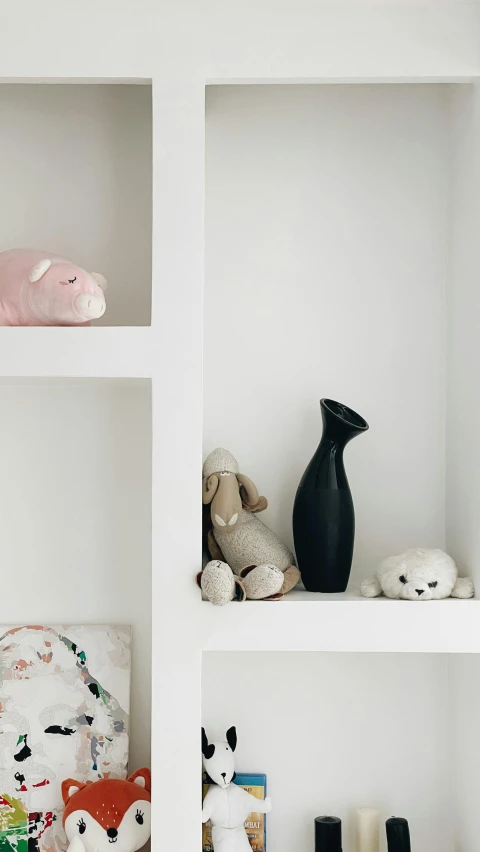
x=246, y=555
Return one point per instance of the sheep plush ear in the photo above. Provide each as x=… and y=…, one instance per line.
x=209, y=488
x=143, y=778
x=248, y=491
x=70, y=787
x=207, y=750
x=232, y=738
x=100, y=279
x=39, y=270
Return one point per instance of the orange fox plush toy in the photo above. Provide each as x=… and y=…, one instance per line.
x=100, y=813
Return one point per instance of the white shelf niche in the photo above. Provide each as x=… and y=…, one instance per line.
x=337, y=732
x=75, y=514
x=340, y=262
x=76, y=177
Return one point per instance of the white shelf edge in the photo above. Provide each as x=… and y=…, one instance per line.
x=350, y=624
x=471, y=76
x=96, y=352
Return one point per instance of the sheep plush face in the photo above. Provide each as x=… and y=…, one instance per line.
x=418, y=575
x=226, y=490
x=218, y=758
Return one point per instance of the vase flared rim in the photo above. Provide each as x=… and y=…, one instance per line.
x=345, y=414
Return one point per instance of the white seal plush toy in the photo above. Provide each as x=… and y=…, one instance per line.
x=226, y=805
x=418, y=575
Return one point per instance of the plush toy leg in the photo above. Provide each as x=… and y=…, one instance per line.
x=371, y=588
x=463, y=588
x=214, y=549
x=290, y=579
x=262, y=581
x=219, y=583
x=230, y=839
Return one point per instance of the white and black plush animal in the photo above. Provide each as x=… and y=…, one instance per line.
x=418, y=575
x=226, y=805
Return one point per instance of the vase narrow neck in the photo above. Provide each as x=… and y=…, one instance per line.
x=340, y=425
x=329, y=463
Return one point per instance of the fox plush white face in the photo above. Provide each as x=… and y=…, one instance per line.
x=218, y=758
x=108, y=813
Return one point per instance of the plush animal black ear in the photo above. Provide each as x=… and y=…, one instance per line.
x=232, y=738
x=207, y=750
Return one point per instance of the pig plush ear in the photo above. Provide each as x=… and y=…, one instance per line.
x=100, y=279
x=39, y=269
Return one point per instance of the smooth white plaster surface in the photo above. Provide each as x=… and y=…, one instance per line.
x=75, y=515
x=76, y=180
x=463, y=415
x=326, y=262
x=464, y=705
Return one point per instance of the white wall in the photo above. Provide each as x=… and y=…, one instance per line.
x=334, y=732
x=75, y=515
x=463, y=450
x=76, y=179
x=464, y=690
x=463, y=410
x=326, y=229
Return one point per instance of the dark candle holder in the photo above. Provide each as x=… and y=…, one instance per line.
x=398, y=835
x=328, y=834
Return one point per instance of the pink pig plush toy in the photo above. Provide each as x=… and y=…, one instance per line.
x=37, y=288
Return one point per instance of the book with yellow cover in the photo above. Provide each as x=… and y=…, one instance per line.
x=255, y=825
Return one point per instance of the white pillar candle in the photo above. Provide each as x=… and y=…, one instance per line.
x=368, y=830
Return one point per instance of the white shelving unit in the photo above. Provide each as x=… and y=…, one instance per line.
x=322, y=159
x=345, y=623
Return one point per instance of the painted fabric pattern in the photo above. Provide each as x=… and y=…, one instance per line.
x=64, y=712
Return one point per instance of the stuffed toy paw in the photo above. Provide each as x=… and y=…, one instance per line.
x=418, y=575
x=262, y=581
x=219, y=584
x=463, y=588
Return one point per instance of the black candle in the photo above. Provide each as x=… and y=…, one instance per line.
x=328, y=834
x=398, y=835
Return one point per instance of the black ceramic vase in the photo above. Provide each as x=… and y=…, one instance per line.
x=323, y=515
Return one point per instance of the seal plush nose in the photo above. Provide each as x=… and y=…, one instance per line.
x=419, y=591
x=88, y=306
x=112, y=832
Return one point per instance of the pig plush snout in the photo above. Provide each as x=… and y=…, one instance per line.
x=62, y=293
x=88, y=306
